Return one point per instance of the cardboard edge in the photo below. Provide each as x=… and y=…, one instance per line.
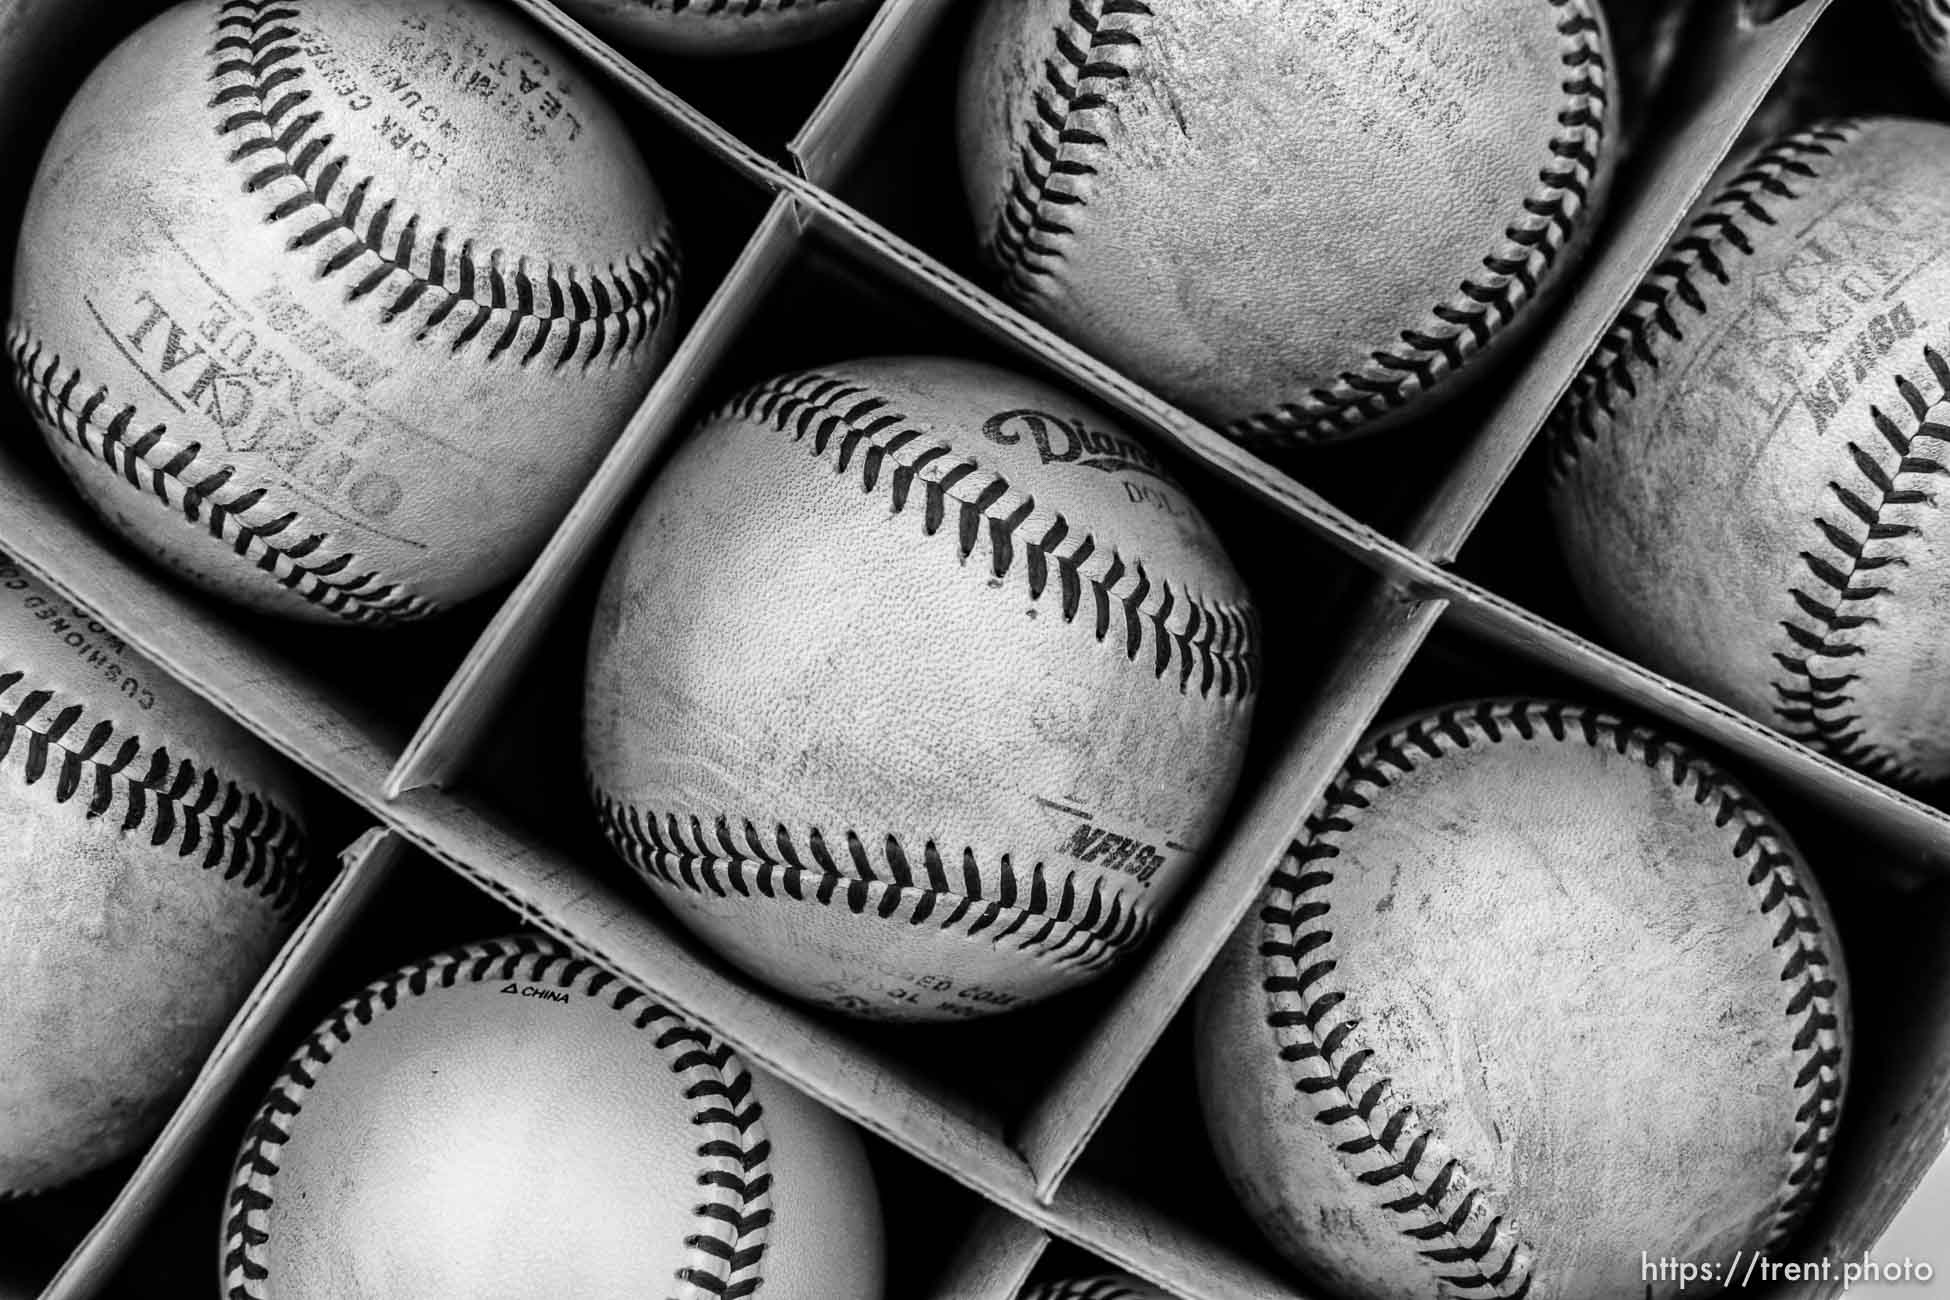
x=883, y=61
x=995, y=1260
x=251, y=1032
x=481, y=684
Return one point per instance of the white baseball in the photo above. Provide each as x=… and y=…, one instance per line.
x=507, y=1120
x=917, y=687
x=711, y=28
x=333, y=305
x=152, y=860
x=1537, y=995
x=1299, y=221
x=1746, y=475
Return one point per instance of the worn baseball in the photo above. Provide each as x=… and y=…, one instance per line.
x=711, y=28
x=1110, y=1286
x=917, y=688
x=507, y=1120
x=1746, y=476
x=1535, y=996
x=332, y=305
x=1300, y=222
x=151, y=863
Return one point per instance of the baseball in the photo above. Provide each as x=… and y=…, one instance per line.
x=1536, y=994
x=917, y=688
x=507, y=1119
x=332, y=305
x=1744, y=478
x=1299, y=222
x=152, y=863
x=711, y=28
x=1110, y=1286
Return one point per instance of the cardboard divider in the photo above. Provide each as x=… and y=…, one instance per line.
x=1648, y=203
x=829, y=143
x=1384, y=636
x=250, y=1033
x=469, y=704
x=995, y=1259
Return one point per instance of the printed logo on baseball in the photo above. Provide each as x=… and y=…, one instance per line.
x=1535, y=991
x=508, y=1119
x=1300, y=222
x=152, y=862
x=333, y=305
x=1746, y=475
x=917, y=688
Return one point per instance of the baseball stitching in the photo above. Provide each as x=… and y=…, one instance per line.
x=1072, y=114
x=1856, y=542
x=1390, y=1146
x=1928, y=21
x=726, y=1248
x=1070, y=126
x=1820, y=709
x=1207, y=646
x=1026, y=911
x=357, y=234
x=176, y=804
x=206, y=493
x=1610, y=378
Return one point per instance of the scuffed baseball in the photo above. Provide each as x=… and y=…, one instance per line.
x=1300, y=222
x=716, y=28
x=151, y=862
x=917, y=688
x=333, y=305
x=508, y=1119
x=1746, y=476
x=1536, y=994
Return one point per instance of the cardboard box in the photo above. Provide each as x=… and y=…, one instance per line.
x=459, y=739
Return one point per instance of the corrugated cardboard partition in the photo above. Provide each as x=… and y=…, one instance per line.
x=417, y=764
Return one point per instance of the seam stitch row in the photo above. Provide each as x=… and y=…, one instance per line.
x=1207, y=646
x=187, y=809
x=1026, y=910
x=232, y=513
x=356, y=234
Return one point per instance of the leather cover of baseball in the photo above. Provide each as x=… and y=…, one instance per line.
x=917, y=688
x=1536, y=994
x=715, y=28
x=507, y=1120
x=1745, y=477
x=1293, y=220
x=151, y=863
x=332, y=305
